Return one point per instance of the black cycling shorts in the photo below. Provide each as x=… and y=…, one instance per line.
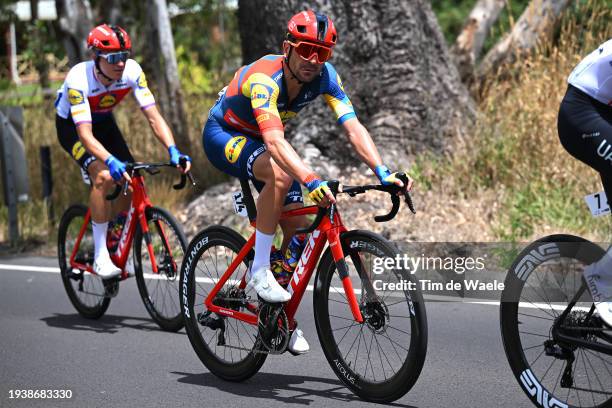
x=585, y=131
x=106, y=132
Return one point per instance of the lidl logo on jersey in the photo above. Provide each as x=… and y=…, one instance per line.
x=75, y=96
x=234, y=147
x=260, y=96
x=78, y=150
x=107, y=101
x=142, y=81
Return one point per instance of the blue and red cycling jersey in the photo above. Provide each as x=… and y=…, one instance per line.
x=256, y=99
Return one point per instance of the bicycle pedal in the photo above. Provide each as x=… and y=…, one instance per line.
x=111, y=287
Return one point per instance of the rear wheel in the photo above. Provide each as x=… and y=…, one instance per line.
x=160, y=291
x=381, y=359
x=226, y=346
x=85, y=290
x=539, y=325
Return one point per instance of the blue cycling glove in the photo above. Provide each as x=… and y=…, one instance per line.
x=385, y=176
x=176, y=155
x=116, y=167
x=318, y=189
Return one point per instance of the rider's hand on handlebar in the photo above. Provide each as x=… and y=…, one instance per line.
x=386, y=177
x=117, y=169
x=320, y=192
x=175, y=159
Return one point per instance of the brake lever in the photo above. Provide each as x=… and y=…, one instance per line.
x=407, y=198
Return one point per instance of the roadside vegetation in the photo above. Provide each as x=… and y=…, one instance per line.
x=512, y=152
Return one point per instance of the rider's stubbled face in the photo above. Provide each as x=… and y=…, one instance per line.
x=305, y=70
x=114, y=71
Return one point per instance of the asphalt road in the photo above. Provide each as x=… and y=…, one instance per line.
x=123, y=359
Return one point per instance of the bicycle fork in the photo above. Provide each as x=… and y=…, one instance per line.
x=333, y=236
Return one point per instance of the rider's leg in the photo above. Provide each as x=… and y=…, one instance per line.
x=102, y=183
x=269, y=206
x=585, y=130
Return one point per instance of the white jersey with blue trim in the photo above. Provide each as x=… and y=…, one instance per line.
x=84, y=98
x=593, y=75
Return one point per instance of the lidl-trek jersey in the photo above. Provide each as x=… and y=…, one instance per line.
x=86, y=100
x=257, y=100
x=594, y=74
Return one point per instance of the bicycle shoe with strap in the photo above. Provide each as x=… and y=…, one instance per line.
x=262, y=280
x=105, y=268
x=298, y=343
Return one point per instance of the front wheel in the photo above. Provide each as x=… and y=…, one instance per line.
x=381, y=359
x=547, y=318
x=160, y=291
x=228, y=347
x=85, y=290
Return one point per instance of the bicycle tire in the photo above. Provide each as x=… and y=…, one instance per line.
x=212, y=240
x=166, y=312
x=524, y=322
x=358, y=245
x=84, y=301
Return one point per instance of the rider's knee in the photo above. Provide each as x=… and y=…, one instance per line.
x=103, y=179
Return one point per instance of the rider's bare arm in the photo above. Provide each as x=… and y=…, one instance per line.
x=284, y=155
x=160, y=128
x=362, y=142
x=85, y=132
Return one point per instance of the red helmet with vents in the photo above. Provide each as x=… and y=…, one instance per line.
x=108, y=38
x=312, y=27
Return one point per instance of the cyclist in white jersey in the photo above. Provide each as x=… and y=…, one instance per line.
x=585, y=130
x=87, y=130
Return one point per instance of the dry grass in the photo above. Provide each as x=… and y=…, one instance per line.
x=515, y=150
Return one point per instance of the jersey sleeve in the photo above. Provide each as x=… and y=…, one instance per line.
x=263, y=93
x=76, y=92
x=336, y=98
x=138, y=83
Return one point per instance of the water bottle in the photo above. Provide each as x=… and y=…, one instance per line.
x=293, y=252
x=115, y=227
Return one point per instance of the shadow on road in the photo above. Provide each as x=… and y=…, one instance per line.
x=106, y=324
x=271, y=386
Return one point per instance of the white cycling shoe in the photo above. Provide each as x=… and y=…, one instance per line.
x=598, y=277
x=262, y=280
x=105, y=268
x=298, y=343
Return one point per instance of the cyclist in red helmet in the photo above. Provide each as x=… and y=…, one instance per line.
x=87, y=130
x=244, y=137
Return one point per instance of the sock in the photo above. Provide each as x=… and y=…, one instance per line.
x=99, y=235
x=263, y=245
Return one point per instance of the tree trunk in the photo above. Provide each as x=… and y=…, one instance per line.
x=537, y=21
x=470, y=41
x=169, y=86
x=75, y=21
x=37, y=30
x=396, y=69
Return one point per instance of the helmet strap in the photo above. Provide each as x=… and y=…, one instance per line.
x=289, y=67
x=99, y=69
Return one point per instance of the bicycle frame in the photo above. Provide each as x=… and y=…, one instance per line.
x=327, y=231
x=140, y=202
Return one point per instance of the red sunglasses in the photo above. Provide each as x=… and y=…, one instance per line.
x=308, y=50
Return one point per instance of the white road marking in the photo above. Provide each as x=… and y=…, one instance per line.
x=310, y=288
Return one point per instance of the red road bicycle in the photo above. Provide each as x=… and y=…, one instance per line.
x=158, y=244
x=375, y=339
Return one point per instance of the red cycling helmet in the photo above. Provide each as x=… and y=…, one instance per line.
x=312, y=27
x=109, y=38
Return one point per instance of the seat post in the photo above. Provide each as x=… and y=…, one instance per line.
x=248, y=199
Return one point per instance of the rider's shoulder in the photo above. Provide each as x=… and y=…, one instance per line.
x=77, y=75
